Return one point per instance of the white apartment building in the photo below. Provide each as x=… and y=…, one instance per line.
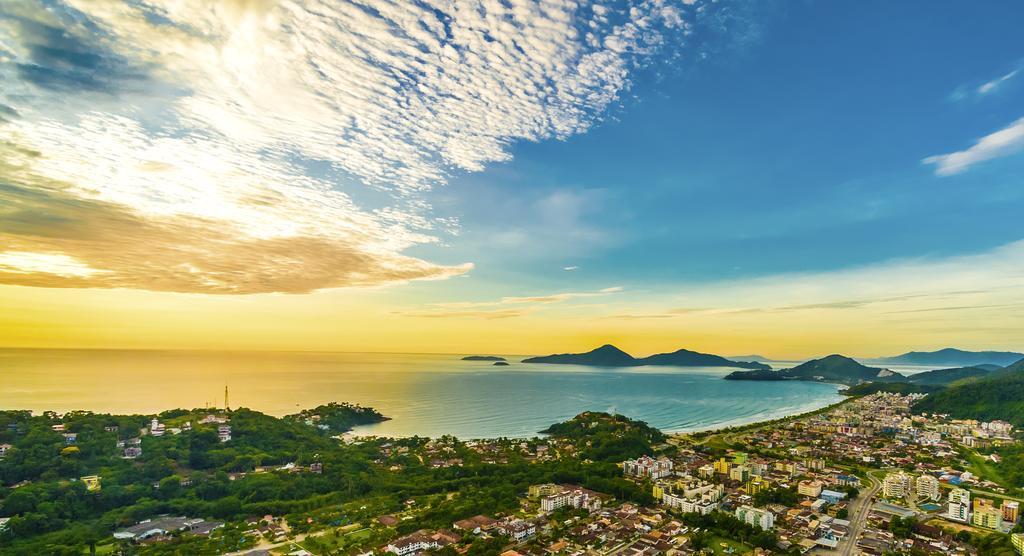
x=896, y=485
x=647, y=466
x=756, y=516
x=927, y=487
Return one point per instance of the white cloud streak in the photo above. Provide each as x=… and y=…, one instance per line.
x=993, y=86
x=1004, y=142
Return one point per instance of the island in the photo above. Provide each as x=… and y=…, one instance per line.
x=611, y=356
x=500, y=363
x=483, y=358
x=833, y=368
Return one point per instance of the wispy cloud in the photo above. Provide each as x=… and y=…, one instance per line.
x=570, y=268
x=991, y=279
x=498, y=309
x=237, y=130
x=993, y=85
x=1004, y=142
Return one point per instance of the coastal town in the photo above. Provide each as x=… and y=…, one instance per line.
x=864, y=476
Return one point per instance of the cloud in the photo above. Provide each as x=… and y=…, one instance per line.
x=990, y=279
x=1004, y=142
x=55, y=239
x=570, y=268
x=992, y=86
x=497, y=309
x=489, y=315
x=218, y=146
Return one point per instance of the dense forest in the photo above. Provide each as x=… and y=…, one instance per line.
x=998, y=397
x=194, y=473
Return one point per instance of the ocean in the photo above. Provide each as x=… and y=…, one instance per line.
x=425, y=395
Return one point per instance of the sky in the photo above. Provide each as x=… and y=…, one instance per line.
x=789, y=179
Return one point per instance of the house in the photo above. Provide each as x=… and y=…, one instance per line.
x=160, y=526
x=475, y=524
x=419, y=541
x=204, y=528
x=517, y=529
x=4, y=448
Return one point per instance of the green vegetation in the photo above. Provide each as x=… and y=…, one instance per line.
x=784, y=496
x=998, y=397
x=196, y=475
x=338, y=417
x=610, y=438
x=718, y=524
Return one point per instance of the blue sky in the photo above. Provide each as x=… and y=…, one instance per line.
x=800, y=150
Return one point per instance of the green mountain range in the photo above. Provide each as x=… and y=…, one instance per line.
x=952, y=357
x=611, y=356
x=998, y=395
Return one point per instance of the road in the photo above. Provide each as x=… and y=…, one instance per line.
x=859, y=509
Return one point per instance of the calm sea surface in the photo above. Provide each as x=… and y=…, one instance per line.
x=428, y=395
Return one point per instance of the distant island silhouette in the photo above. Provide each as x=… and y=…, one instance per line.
x=611, y=356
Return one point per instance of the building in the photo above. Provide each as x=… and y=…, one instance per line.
x=1018, y=542
x=927, y=487
x=412, y=544
x=739, y=473
x=546, y=489
x=155, y=527
x=757, y=484
x=92, y=483
x=702, y=506
x=986, y=515
x=575, y=497
x=756, y=516
x=832, y=496
x=517, y=529
x=1011, y=511
x=809, y=488
x=224, y=432
x=647, y=466
x=156, y=428
x=896, y=485
x=959, y=505
x=4, y=448
x=475, y=524
x=722, y=466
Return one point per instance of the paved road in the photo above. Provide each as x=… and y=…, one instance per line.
x=858, y=517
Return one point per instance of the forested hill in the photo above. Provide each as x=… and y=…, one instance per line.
x=605, y=437
x=334, y=418
x=833, y=368
x=279, y=466
x=999, y=396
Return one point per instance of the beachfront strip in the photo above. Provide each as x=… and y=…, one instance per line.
x=862, y=477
